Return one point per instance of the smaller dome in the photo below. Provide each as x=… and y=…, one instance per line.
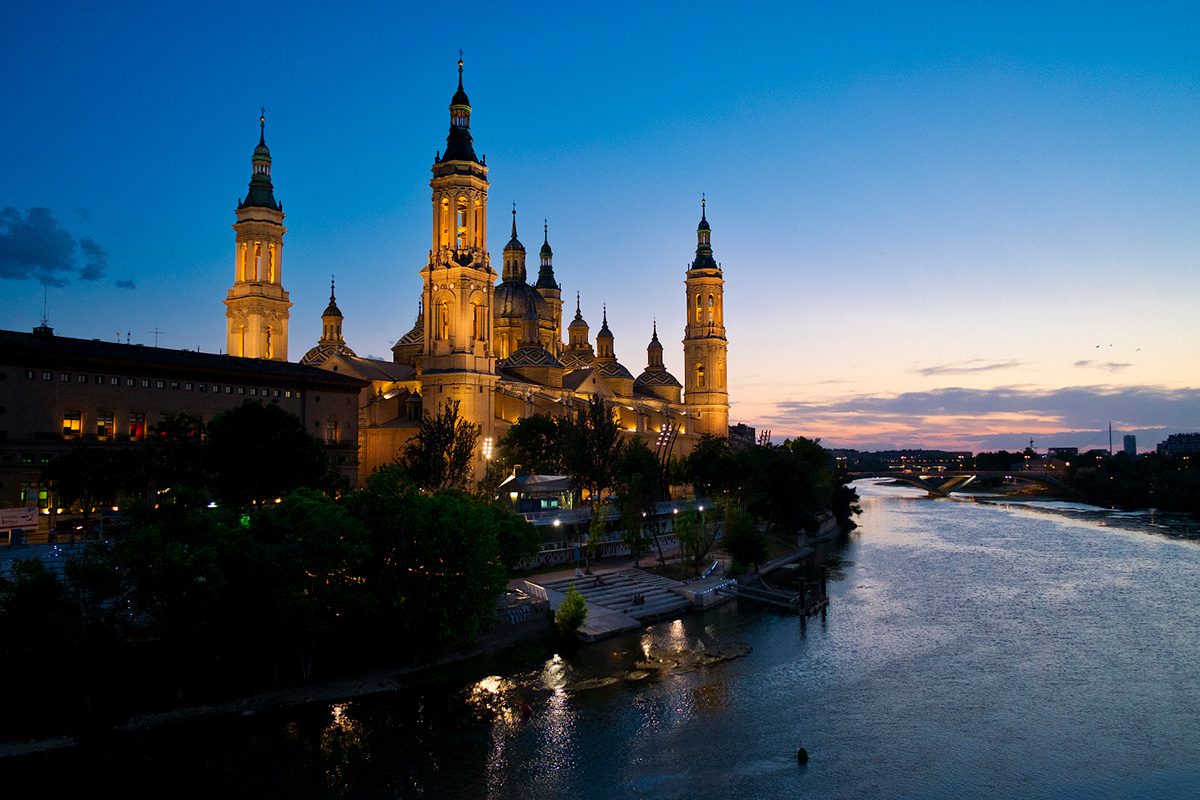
x=332, y=310
x=513, y=299
x=460, y=97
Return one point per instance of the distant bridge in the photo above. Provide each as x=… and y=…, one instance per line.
x=943, y=484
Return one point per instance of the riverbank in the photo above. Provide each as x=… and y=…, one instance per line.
x=538, y=627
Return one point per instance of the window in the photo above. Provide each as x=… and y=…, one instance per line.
x=480, y=331
x=33, y=494
x=99, y=380
x=137, y=425
x=145, y=383
x=331, y=432
x=72, y=424
x=44, y=458
x=287, y=393
x=28, y=374
x=64, y=376
x=699, y=376
x=699, y=308
x=104, y=424
x=81, y=378
x=253, y=392
x=160, y=384
x=114, y=381
x=228, y=389
x=187, y=387
x=710, y=308
x=175, y=385
x=130, y=382
x=442, y=320
x=204, y=387
x=46, y=376
x=26, y=458
x=277, y=393
x=241, y=390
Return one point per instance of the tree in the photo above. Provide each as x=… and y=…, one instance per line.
x=636, y=484
x=591, y=442
x=695, y=535
x=440, y=455
x=516, y=537
x=710, y=467
x=743, y=540
x=86, y=475
x=259, y=452
x=572, y=613
x=533, y=443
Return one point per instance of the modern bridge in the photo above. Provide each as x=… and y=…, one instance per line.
x=944, y=483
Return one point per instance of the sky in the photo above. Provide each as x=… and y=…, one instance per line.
x=959, y=225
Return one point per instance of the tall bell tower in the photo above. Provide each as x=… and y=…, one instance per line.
x=705, y=347
x=458, y=362
x=256, y=308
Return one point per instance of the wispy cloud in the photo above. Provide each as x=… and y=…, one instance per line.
x=967, y=367
x=125, y=285
x=1110, y=366
x=971, y=418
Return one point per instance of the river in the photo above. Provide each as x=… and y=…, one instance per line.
x=970, y=650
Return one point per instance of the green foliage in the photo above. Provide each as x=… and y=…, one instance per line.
x=257, y=452
x=534, y=444
x=636, y=484
x=441, y=453
x=1148, y=481
x=743, y=540
x=591, y=446
x=516, y=538
x=696, y=536
x=572, y=613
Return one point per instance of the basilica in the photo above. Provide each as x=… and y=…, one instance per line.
x=498, y=350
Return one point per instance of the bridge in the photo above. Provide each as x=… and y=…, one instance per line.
x=944, y=483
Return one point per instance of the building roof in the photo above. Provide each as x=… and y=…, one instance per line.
x=58, y=352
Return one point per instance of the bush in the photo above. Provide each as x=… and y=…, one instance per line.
x=572, y=613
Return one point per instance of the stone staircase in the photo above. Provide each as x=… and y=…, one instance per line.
x=615, y=591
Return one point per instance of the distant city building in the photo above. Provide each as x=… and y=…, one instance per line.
x=1180, y=444
x=1062, y=452
x=743, y=434
x=1130, y=445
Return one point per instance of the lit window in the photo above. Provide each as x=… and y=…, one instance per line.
x=64, y=376
x=104, y=424
x=699, y=376
x=241, y=390
x=26, y=458
x=81, y=378
x=137, y=425
x=287, y=393
x=145, y=383
x=44, y=458
x=130, y=382
x=253, y=392
x=228, y=389
x=114, y=381
x=160, y=384
x=72, y=424
x=28, y=374
x=331, y=432
x=47, y=376
x=99, y=380
x=187, y=387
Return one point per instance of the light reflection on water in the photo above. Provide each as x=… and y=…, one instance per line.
x=970, y=650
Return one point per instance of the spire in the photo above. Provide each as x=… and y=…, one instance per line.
x=654, y=351
x=261, y=193
x=459, y=146
x=604, y=331
x=514, y=254
x=704, y=252
x=546, y=269
x=579, y=321
x=332, y=309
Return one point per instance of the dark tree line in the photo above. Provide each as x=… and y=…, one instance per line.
x=215, y=588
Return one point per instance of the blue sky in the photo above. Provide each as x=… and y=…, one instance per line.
x=912, y=206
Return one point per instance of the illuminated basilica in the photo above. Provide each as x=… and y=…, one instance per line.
x=499, y=350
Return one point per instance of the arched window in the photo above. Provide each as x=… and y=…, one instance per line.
x=699, y=376
x=710, y=308
x=478, y=320
x=442, y=320
x=257, y=261
x=444, y=237
x=699, y=308
x=271, y=263
x=478, y=224
x=460, y=232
